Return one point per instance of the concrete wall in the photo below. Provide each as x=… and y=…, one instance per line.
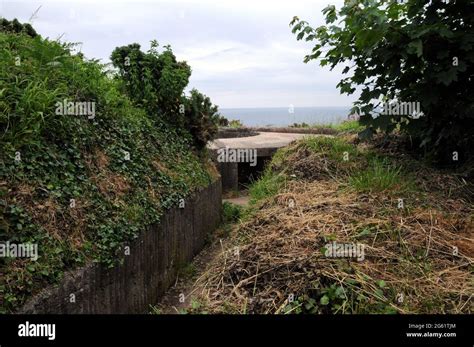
x=231, y=173
x=225, y=133
x=230, y=176
x=149, y=270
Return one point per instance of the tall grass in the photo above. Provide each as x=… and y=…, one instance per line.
x=268, y=185
x=380, y=175
x=348, y=126
x=333, y=147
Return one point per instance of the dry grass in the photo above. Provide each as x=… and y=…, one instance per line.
x=160, y=166
x=109, y=183
x=60, y=222
x=417, y=259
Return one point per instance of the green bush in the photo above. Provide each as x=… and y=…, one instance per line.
x=153, y=80
x=235, y=123
x=156, y=81
x=222, y=121
x=15, y=26
x=201, y=118
x=121, y=167
x=415, y=52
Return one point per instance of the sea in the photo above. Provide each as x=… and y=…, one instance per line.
x=284, y=116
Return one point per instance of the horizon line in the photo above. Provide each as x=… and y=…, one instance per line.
x=247, y=107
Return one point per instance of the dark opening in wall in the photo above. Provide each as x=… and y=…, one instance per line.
x=248, y=173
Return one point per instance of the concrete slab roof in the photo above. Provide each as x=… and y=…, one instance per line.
x=262, y=140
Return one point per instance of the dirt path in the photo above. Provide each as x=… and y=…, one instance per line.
x=240, y=201
x=178, y=299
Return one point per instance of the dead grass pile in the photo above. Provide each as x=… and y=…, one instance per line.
x=416, y=259
x=109, y=183
x=60, y=222
x=329, y=161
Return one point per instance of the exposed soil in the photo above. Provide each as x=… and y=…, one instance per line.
x=240, y=201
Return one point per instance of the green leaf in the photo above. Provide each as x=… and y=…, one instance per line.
x=324, y=300
x=447, y=77
x=330, y=13
x=340, y=292
x=416, y=47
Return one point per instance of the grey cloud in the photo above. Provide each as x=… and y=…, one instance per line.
x=239, y=54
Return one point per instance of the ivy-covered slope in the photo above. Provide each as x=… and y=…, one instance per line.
x=78, y=186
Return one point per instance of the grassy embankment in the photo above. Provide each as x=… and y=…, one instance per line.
x=80, y=187
x=415, y=224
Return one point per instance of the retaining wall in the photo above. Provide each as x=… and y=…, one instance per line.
x=149, y=270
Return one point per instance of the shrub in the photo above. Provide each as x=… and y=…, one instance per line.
x=235, y=123
x=121, y=169
x=153, y=80
x=406, y=52
x=200, y=118
x=36, y=74
x=231, y=212
x=15, y=26
x=156, y=81
x=222, y=121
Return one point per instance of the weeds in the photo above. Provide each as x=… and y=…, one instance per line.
x=380, y=176
x=230, y=212
x=268, y=185
x=49, y=160
x=418, y=259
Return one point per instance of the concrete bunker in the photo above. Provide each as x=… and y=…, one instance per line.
x=239, y=174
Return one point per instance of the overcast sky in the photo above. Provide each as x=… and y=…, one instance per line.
x=242, y=53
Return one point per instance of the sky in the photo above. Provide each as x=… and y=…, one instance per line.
x=242, y=53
